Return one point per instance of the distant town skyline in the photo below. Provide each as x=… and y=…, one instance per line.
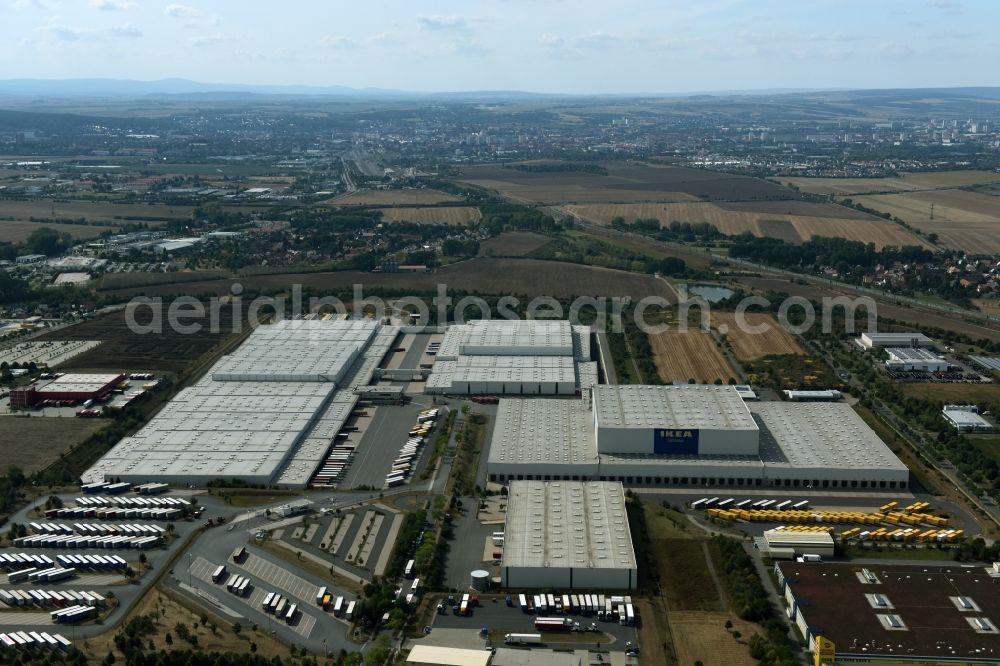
x=557, y=46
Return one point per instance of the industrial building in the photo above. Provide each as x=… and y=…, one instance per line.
x=688, y=435
x=434, y=655
x=910, y=359
x=567, y=535
x=893, y=613
x=73, y=387
x=787, y=543
x=874, y=339
x=265, y=414
x=965, y=418
x=513, y=357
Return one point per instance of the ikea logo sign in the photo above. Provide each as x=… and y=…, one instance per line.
x=680, y=441
x=677, y=434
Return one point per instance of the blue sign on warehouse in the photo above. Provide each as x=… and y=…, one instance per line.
x=682, y=441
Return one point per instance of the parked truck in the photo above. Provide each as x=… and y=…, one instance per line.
x=553, y=623
x=522, y=639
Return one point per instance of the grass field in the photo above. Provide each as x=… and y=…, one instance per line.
x=519, y=277
x=691, y=354
x=990, y=446
x=626, y=182
x=906, y=182
x=168, y=611
x=701, y=636
x=18, y=232
x=749, y=346
x=457, y=215
x=113, y=214
x=962, y=220
x=792, y=221
x=512, y=244
x=126, y=351
x=34, y=443
x=685, y=578
x=953, y=393
x=411, y=197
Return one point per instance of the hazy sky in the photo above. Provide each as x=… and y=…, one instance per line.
x=540, y=45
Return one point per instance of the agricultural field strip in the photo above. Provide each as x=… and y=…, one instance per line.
x=352, y=552
x=454, y=215
x=345, y=527
x=751, y=346
x=202, y=569
x=680, y=356
x=24, y=619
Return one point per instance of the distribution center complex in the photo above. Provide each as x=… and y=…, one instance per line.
x=511, y=357
x=567, y=535
x=688, y=435
x=266, y=414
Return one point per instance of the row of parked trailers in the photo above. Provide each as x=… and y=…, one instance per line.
x=903, y=534
x=22, y=640
x=281, y=607
x=105, y=487
x=749, y=504
x=610, y=608
x=96, y=562
x=337, y=604
x=98, y=529
x=334, y=466
x=36, y=575
x=403, y=465
x=76, y=541
x=132, y=502
x=60, y=598
x=14, y=561
x=73, y=614
x=115, y=513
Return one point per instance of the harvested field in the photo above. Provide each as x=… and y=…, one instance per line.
x=733, y=220
x=691, y=354
x=522, y=277
x=906, y=182
x=18, y=232
x=972, y=394
x=906, y=314
x=412, y=197
x=626, y=182
x=123, y=350
x=701, y=637
x=33, y=443
x=112, y=214
x=962, y=220
x=141, y=279
x=749, y=346
x=455, y=215
x=512, y=244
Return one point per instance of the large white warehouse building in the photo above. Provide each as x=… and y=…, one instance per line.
x=671, y=436
x=265, y=414
x=513, y=357
x=567, y=535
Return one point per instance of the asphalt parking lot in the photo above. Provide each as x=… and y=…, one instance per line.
x=494, y=615
x=385, y=434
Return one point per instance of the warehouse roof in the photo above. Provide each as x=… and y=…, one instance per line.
x=819, y=434
x=912, y=354
x=897, y=339
x=543, y=431
x=695, y=406
x=487, y=336
x=937, y=606
x=448, y=656
x=297, y=350
x=567, y=524
x=965, y=416
x=798, y=540
x=79, y=383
